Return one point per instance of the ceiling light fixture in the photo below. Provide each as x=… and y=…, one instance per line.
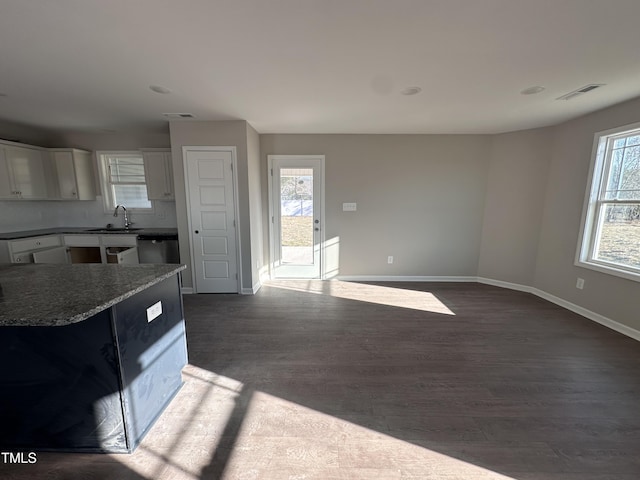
x=159, y=89
x=532, y=90
x=411, y=91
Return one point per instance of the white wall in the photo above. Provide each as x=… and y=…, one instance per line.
x=420, y=198
x=607, y=295
x=255, y=203
x=517, y=183
x=33, y=215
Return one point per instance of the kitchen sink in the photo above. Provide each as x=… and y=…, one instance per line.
x=113, y=230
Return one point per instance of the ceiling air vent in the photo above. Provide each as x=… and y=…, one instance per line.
x=178, y=115
x=580, y=91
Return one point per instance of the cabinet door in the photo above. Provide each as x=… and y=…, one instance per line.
x=158, y=175
x=27, y=170
x=53, y=255
x=67, y=184
x=127, y=255
x=6, y=186
x=74, y=174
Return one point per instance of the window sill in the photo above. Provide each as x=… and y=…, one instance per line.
x=609, y=270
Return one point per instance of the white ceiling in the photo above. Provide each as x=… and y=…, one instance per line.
x=315, y=66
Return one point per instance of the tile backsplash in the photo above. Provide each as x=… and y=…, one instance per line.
x=31, y=215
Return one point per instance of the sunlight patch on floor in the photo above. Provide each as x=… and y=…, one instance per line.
x=378, y=294
x=283, y=439
x=182, y=442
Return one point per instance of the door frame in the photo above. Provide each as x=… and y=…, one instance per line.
x=234, y=179
x=270, y=220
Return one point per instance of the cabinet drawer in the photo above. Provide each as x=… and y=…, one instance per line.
x=119, y=240
x=82, y=240
x=35, y=243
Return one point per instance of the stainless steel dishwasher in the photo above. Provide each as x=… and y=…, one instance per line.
x=158, y=248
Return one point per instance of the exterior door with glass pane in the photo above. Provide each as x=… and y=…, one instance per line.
x=296, y=215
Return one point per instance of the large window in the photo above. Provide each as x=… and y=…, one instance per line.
x=123, y=180
x=611, y=235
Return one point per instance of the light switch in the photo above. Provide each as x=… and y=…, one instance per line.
x=349, y=207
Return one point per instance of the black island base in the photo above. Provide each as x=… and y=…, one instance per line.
x=94, y=384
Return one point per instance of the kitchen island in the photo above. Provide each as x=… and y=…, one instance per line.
x=90, y=355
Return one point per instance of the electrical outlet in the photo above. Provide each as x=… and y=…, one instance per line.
x=390, y=259
x=580, y=283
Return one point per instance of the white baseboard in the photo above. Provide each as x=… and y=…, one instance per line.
x=187, y=290
x=253, y=290
x=596, y=317
x=509, y=285
x=398, y=278
x=593, y=316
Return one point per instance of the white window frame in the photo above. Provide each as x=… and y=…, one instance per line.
x=105, y=185
x=594, y=203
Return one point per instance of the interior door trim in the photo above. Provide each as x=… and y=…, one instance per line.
x=234, y=179
x=272, y=233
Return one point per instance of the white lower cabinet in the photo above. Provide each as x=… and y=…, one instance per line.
x=120, y=249
x=102, y=248
x=26, y=250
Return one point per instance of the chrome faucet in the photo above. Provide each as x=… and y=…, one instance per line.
x=127, y=223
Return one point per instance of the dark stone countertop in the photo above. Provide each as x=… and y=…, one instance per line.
x=87, y=231
x=57, y=295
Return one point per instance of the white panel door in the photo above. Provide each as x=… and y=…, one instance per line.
x=296, y=215
x=212, y=219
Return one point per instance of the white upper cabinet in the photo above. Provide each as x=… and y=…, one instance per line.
x=23, y=173
x=74, y=174
x=158, y=172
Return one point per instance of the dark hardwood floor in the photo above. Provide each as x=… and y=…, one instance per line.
x=338, y=380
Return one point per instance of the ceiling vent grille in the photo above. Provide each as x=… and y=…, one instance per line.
x=178, y=115
x=580, y=91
